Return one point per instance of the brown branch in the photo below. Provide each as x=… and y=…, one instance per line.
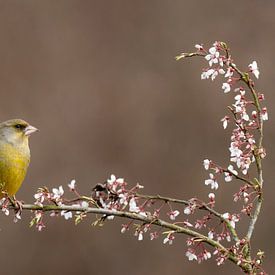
x=149, y=219
x=202, y=206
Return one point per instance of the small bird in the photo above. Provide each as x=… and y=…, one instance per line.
x=14, y=154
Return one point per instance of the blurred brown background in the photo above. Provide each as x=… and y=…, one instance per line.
x=99, y=79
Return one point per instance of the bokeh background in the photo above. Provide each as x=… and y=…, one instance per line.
x=99, y=79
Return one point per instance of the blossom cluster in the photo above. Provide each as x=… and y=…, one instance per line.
x=56, y=196
x=115, y=195
x=247, y=119
x=245, y=146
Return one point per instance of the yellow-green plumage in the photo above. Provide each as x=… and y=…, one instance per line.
x=13, y=166
x=14, y=154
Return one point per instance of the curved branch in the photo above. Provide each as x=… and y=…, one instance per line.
x=146, y=219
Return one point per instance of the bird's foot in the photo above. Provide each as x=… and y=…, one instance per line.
x=18, y=205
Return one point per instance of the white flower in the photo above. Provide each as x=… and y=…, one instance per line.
x=214, y=75
x=123, y=229
x=206, y=255
x=234, y=150
x=264, y=114
x=39, y=197
x=221, y=71
x=169, y=239
x=227, y=177
x=229, y=72
x=140, y=236
x=231, y=169
x=57, y=193
x=207, y=74
x=246, y=197
x=71, y=185
x=225, y=122
x=120, y=180
x=133, y=205
x=245, y=116
x=166, y=240
x=226, y=215
x=254, y=69
x=242, y=91
x=226, y=87
x=188, y=224
x=122, y=199
x=18, y=215
x=6, y=211
x=139, y=186
x=212, y=182
x=206, y=164
x=210, y=235
x=67, y=214
x=213, y=50
x=213, y=56
x=191, y=256
x=112, y=179
x=232, y=219
x=211, y=196
x=84, y=204
x=238, y=99
x=199, y=47
x=187, y=210
x=174, y=214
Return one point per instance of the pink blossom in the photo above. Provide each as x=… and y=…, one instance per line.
x=225, y=121
x=191, y=256
x=212, y=181
x=67, y=214
x=229, y=72
x=232, y=219
x=199, y=47
x=253, y=67
x=211, y=235
x=72, y=184
x=211, y=196
x=206, y=164
x=173, y=214
x=169, y=239
x=226, y=87
x=133, y=206
x=213, y=56
x=58, y=192
x=187, y=210
x=140, y=236
x=264, y=114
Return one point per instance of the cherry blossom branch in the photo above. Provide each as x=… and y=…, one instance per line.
x=197, y=219
x=257, y=152
x=245, y=78
x=244, y=148
x=146, y=220
x=201, y=205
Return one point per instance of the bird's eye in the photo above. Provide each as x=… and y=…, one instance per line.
x=18, y=126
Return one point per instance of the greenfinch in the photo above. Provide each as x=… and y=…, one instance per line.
x=14, y=154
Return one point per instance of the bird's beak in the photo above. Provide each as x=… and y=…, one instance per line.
x=29, y=130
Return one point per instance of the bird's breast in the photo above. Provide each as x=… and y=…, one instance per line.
x=13, y=167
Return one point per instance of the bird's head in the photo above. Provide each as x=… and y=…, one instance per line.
x=16, y=131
